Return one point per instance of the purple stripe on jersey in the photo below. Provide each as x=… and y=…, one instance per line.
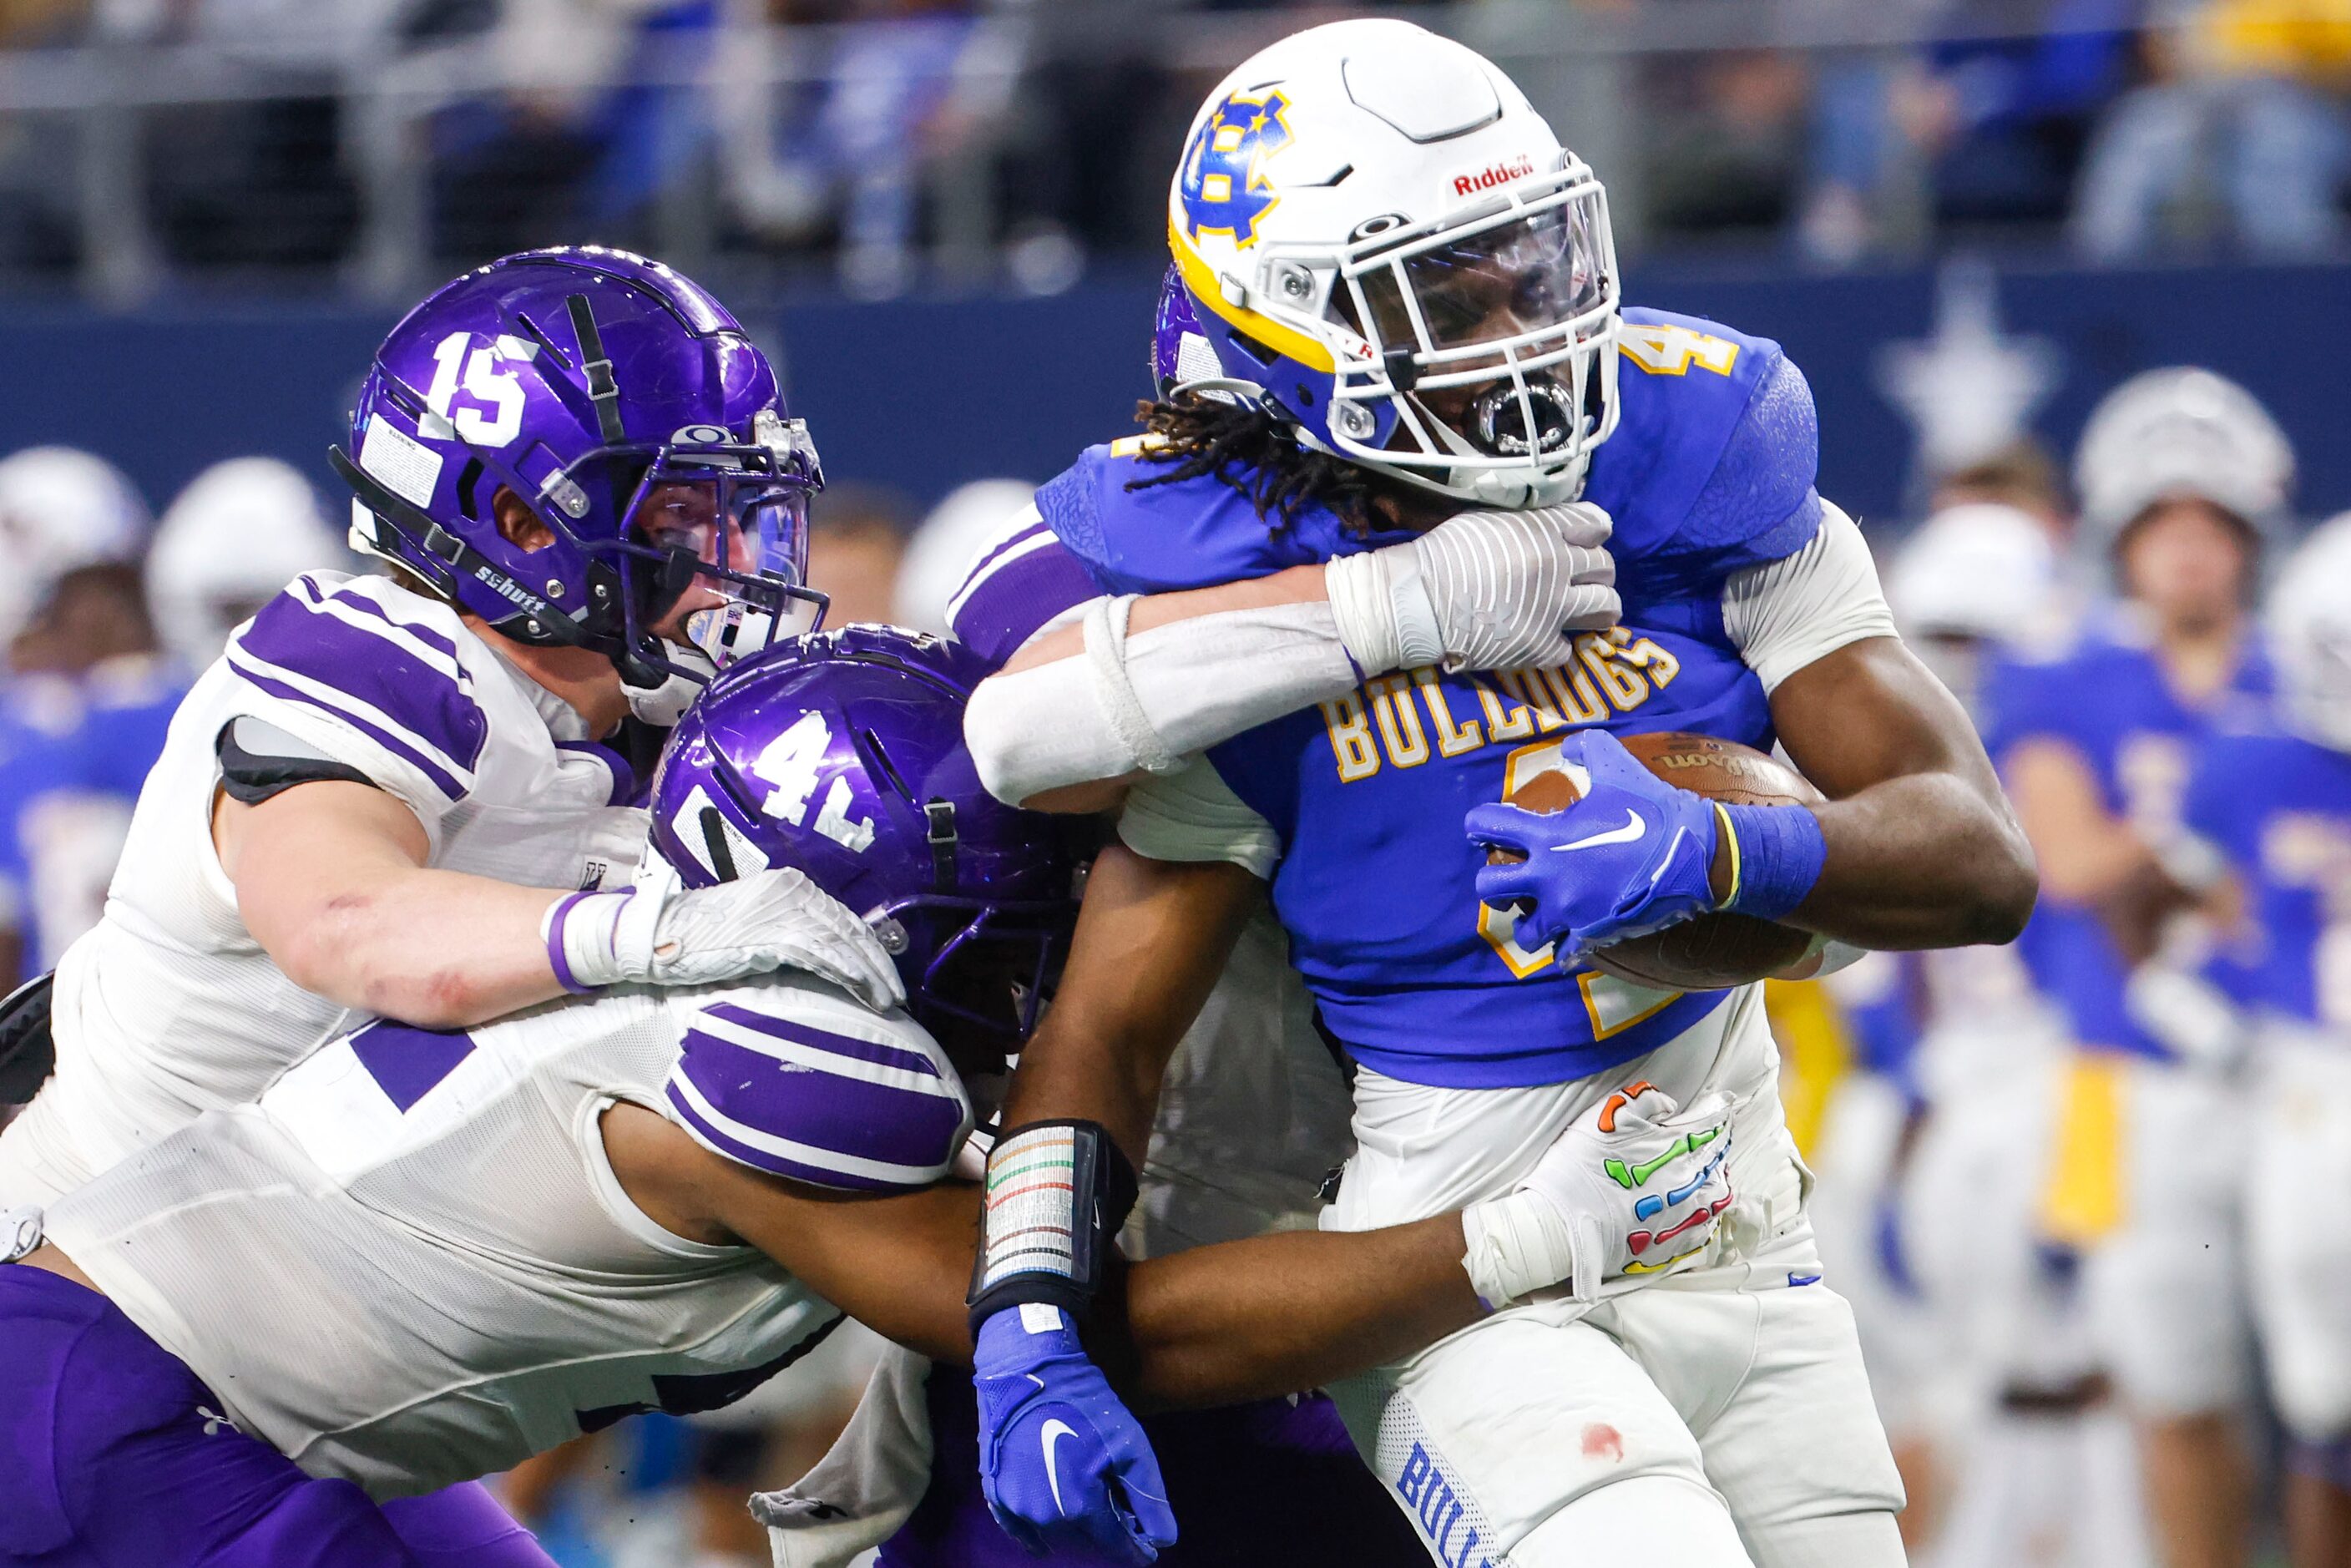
x=1004, y=611
x=624, y=778
x=442, y=780
x=856, y=1050
x=406, y=1061
x=774, y=1164
x=996, y=552
x=826, y=1110
x=424, y=634
x=422, y=698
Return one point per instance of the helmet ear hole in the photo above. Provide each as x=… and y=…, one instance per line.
x=469, y=479
x=1263, y=355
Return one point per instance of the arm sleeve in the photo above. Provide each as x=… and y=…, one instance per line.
x=790, y=1077
x=369, y=677
x=1142, y=701
x=1784, y=614
x=1193, y=815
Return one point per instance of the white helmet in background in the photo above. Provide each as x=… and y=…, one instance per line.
x=1981, y=570
x=2310, y=636
x=239, y=532
x=1368, y=215
x=60, y=508
x=2181, y=433
x=945, y=547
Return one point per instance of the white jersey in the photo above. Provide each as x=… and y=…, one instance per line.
x=170, y=1008
x=410, y=1263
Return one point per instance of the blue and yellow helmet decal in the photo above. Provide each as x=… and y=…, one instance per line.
x=1223, y=187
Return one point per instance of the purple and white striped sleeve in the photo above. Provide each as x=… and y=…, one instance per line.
x=370, y=679
x=1022, y=580
x=862, y=1103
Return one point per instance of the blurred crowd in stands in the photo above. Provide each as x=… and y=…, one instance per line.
x=1010, y=142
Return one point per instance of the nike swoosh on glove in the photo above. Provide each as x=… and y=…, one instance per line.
x=663, y=933
x=1062, y=1462
x=1632, y=856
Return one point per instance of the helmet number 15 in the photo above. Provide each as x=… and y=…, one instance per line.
x=486, y=382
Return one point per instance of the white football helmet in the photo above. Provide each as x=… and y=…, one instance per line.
x=2181, y=433
x=1388, y=246
x=2310, y=636
x=242, y=530
x=60, y=509
x=1981, y=570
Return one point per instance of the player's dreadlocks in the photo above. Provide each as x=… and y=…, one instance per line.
x=1251, y=450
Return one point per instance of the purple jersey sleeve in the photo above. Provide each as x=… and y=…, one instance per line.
x=374, y=677
x=812, y=1093
x=1023, y=578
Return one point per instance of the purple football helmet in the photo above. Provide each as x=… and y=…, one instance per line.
x=632, y=416
x=841, y=754
x=1181, y=353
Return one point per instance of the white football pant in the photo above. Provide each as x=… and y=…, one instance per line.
x=1714, y=1418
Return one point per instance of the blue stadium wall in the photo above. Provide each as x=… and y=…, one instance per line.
x=927, y=394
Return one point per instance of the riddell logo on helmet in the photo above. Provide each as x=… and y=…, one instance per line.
x=1493, y=174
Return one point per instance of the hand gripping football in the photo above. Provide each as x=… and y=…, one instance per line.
x=1712, y=951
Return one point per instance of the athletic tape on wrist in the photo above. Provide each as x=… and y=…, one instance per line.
x=1776, y=856
x=1105, y=635
x=1055, y=1196
x=1517, y=1245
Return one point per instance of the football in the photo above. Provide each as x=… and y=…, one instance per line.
x=1712, y=951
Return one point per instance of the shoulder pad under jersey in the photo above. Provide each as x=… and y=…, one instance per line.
x=370, y=673
x=1188, y=534
x=1716, y=447
x=797, y=1080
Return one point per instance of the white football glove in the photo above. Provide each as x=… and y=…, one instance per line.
x=1635, y=1188
x=660, y=933
x=1482, y=590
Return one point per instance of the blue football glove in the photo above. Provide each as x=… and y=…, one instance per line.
x=1630, y=857
x=1061, y=1460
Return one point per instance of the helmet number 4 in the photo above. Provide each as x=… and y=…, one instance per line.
x=789, y=765
x=493, y=415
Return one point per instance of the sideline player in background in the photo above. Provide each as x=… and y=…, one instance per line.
x=387, y=797
x=1409, y=294
x=2270, y=804
x=649, y=1199
x=2183, y=477
x=1932, y=1166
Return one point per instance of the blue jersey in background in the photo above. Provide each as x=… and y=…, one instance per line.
x=2279, y=807
x=2108, y=701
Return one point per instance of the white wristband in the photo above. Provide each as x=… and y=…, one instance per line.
x=586, y=941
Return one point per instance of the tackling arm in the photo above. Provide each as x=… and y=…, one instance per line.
x=1141, y=683
x=1242, y=1320
x=332, y=880
x=1152, y=938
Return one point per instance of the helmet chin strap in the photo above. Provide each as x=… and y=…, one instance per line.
x=661, y=705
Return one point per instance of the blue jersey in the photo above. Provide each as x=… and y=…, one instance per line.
x=72, y=760
x=2109, y=702
x=2279, y=807
x=1710, y=471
